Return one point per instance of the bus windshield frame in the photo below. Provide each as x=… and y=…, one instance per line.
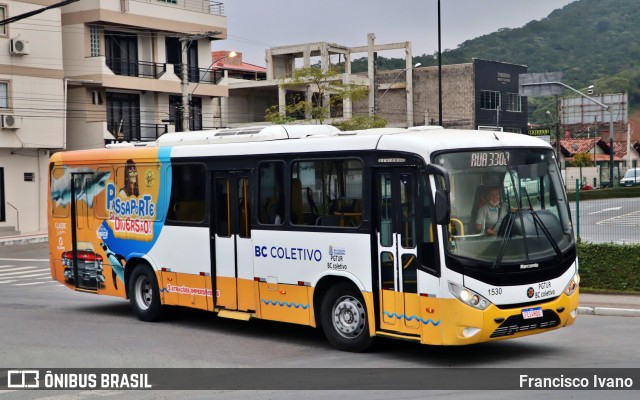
x=528, y=224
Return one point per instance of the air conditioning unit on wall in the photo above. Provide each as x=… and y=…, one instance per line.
x=11, y=122
x=19, y=47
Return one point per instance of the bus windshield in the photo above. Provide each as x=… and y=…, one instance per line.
x=507, y=206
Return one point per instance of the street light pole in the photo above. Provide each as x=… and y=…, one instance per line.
x=604, y=106
x=377, y=103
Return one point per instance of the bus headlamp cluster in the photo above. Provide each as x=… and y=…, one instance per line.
x=572, y=285
x=468, y=297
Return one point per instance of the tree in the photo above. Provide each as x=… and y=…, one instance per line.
x=362, y=122
x=582, y=160
x=328, y=92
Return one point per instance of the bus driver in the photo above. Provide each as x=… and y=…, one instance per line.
x=491, y=214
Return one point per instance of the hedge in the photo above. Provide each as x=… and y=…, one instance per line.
x=607, y=266
x=606, y=193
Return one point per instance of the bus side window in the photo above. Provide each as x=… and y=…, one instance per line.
x=327, y=193
x=187, y=202
x=271, y=193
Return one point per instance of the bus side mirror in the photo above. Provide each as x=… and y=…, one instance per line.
x=442, y=208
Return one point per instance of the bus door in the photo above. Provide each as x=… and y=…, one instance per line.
x=397, y=251
x=85, y=263
x=231, y=234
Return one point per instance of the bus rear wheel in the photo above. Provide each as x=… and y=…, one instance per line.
x=144, y=294
x=344, y=318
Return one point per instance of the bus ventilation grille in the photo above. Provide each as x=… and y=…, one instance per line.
x=516, y=323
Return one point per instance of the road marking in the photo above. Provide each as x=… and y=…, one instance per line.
x=88, y=394
x=3, y=282
x=605, y=210
x=630, y=219
x=16, y=272
x=6, y=266
x=30, y=283
x=25, y=259
x=31, y=276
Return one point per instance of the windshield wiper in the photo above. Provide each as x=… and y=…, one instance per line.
x=547, y=234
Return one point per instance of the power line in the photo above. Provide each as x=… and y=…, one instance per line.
x=35, y=12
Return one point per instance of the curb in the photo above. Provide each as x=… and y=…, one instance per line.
x=23, y=240
x=609, y=312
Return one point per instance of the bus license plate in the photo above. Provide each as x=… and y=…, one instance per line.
x=529, y=313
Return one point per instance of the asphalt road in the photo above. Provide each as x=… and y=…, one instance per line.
x=608, y=220
x=45, y=325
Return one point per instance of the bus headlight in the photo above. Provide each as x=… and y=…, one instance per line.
x=572, y=285
x=468, y=297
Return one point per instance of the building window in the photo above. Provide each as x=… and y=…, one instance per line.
x=169, y=1
x=489, y=100
x=514, y=102
x=4, y=95
x=3, y=16
x=95, y=40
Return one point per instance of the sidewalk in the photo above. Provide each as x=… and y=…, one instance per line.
x=620, y=305
x=39, y=237
x=612, y=305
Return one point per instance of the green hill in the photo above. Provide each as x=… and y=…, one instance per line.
x=590, y=41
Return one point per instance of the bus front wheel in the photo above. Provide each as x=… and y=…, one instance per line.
x=344, y=318
x=144, y=294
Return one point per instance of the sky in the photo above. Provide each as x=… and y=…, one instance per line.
x=253, y=26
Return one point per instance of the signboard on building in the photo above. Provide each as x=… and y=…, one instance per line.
x=540, y=84
x=539, y=132
x=581, y=110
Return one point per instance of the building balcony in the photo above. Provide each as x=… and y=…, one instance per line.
x=141, y=69
x=205, y=6
x=199, y=75
x=178, y=16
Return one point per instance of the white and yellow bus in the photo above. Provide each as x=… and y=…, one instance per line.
x=365, y=233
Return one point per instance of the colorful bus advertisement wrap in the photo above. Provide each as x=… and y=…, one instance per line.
x=119, y=213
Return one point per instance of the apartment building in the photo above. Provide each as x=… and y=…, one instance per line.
x=32, y=112
x=95, y=71
x=123, y=60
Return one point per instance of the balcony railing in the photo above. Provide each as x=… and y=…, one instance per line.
x=206, y=6
x=142, y=69
x=200, y=74
x=137, y=132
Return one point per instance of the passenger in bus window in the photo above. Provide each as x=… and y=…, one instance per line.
x=492, y=213
x=130, y=187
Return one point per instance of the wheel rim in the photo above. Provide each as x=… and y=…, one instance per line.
x=144, y=293
x=348, y=317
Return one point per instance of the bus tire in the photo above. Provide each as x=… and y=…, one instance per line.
x=344, y=318
x=144, y=294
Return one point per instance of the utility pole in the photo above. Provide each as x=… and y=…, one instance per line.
x=185, y=41
x=184, y=46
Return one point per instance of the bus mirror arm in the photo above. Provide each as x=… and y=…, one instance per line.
x=443, y=215
x=442, y=201
x=437, y=170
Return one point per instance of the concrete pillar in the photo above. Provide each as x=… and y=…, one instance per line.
x=409, y=87
x=224, y=106
x=347, y=105
x=282, y=100
x=268, y=58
